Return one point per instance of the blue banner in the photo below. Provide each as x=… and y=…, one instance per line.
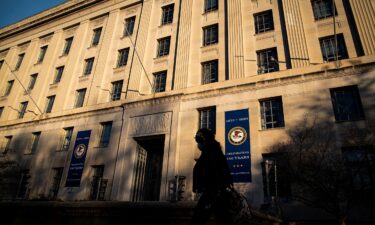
x=77, y=162
x=237, y=144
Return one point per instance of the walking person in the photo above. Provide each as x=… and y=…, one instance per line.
x=211, y=180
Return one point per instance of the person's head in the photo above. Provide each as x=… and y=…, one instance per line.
x=204, y=136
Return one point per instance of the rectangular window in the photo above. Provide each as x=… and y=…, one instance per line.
x=346, y=102
x=88, y=66
x=67, y=46
x=163, y=46
x=80, y=98
x=263, y=21
x=122, y=58
x=329, y=50
x=322, y=9
x=210, y=72
x=19, y=61
x=98, y=184
x=116, y=90
x=267, y=61
x=68, y=133
x=5, y=144
x=106, y=134
x=210, y=5
x=129, y=26
x=8, y=88
x=42, y=53
x=32, y=81
x=276, y=182
x=1, y=110
x=271, y=111
x=360, y=162
x=167, y=15
x=22, y=111
x=207, y=118
x=34, y=143
x=1, y=63
x=23, y=186
x=58, y=74
x=49, y=104
x=210, y=35
x=96, y=36
x=56, y=180
x=160, y=81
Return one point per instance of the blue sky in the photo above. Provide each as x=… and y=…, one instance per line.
x=12, y=11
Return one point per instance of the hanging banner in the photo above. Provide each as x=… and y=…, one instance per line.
x=237, y=144
x=77, y=162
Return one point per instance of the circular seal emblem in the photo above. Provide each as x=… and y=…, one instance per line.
x=237, y=135
x=79, y=151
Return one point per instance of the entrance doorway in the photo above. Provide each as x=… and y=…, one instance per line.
x=148, y=168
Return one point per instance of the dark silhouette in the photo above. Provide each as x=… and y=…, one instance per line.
x=211, y=180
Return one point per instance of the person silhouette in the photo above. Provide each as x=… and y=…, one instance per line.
x=211, y=180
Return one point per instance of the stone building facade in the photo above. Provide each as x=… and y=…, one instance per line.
x=143, y=76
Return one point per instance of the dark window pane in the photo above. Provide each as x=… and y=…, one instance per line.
x=68, y=45
x=96, y=36
x=267, y=61
x=167, y=14
x=122, y=58
x=163, y=46
x=106, y=134
x=116, y=90
x=263, y=22
x=210, y=5
x=210, y=72
x=329, y=50
x=160, y=81
x=347, y=104
x=210, y=35
x=272, y=114
x=129, y=26
x=207, y=118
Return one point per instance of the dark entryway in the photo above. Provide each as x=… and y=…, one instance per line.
x=148, y=168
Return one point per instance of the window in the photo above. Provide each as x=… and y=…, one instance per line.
x=1, y=63
x=98, y=184
x=210, y=35
x=56, y=180
x=167, y=16
x=210, y=72
x=8, y=88
x=80, y=98
x=34, y=143
x=1, y=110
x=58, y=74
x=22, y=110
x=360, y=161
x=5, y=144
x=122, y=58
x=271, y=111
x=68, y=133
x=88, y=66
x=163, y=46
x=32, y=81
x=322, y=9
x=129, y=26
x=96, y=36
x=23, y=186
x=42, y=53
x=106, y=134
x=267, y=61
x=210, y=5
x=275, y=177
x=346, y=102
x=116, y=90
x=263, y=21
x=207, y=118
x=160, y=81
x=67, y=46
x=329, y=50
x=19, y=61
x=49, y=104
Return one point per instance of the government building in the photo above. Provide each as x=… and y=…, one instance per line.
x=101, y=99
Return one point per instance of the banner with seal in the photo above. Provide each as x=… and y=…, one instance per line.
x=237, y=144
x=77, y=162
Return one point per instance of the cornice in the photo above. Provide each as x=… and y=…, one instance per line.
x=52, y=14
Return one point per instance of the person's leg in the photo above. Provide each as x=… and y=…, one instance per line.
x=222, y=211
x=202, y=211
